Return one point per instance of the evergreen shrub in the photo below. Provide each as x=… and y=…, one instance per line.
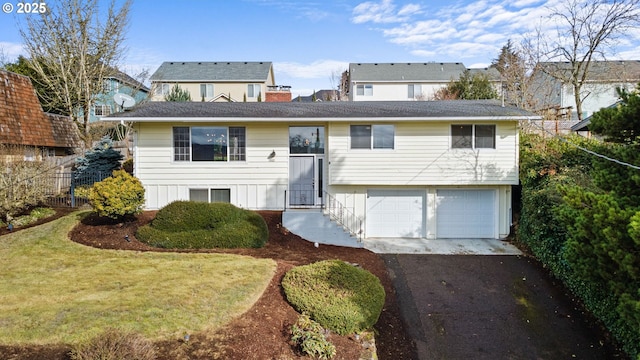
x=340, y=296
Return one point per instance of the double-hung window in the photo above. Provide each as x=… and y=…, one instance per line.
x=162, y=89
x=209, y=143
x=206, y=91
x=414, y=91
x=364, y=90
x=253, y=90
x=101, y=110
x=372, y=136
x=473, y=136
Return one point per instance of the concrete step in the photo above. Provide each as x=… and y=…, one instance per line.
x=314, y=226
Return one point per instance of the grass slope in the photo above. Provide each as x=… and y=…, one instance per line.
x=53, y=290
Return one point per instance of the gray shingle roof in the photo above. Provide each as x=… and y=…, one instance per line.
x=337, y=110
x=605, y=71
x=257, y=71
x=423, y=72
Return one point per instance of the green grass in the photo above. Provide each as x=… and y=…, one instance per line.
x=53, y=290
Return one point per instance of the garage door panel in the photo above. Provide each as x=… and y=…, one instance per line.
x=395, y=213
x=465, y=213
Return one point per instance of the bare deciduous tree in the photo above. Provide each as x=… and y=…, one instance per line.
x=74, y=46
x=586, y=30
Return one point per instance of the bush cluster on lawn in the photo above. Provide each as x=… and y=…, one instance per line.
x=340, y=296
x=309, y=336
x=33, y=216
x=114, y=344
x=200, y=225
x=118, y=196
x=581, y=218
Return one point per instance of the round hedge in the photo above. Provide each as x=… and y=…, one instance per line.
x=340, y=296
x=200, y=225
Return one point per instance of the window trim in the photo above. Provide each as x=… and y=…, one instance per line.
x=184, y=142
x=253, y=88
x=474, y=137
x=364, y=88
x=372, y=137
x=210, y=192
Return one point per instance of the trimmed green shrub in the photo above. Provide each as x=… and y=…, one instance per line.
x=114, y=344
x=117, y=196
x=200, y=225
x=340, y=296
x=579, y=219
x=309, y=337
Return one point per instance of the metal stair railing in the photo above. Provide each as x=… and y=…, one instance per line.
x=342, y=215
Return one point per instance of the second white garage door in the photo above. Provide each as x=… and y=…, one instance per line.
x=395, y=213
x=466, y=214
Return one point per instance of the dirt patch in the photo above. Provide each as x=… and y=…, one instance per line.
x=263, y=331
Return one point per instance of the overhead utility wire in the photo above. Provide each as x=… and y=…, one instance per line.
x=589, y=151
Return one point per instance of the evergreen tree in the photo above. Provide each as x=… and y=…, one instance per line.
x=177, y=94
x=103, y=159
x=472, y=87
x=620, y=123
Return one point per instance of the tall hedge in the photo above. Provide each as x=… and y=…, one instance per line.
x=580, y=216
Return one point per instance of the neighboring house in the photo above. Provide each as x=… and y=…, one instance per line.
x=406, y=81
x=598, y=91
x=320, y=95
x=23, y=124
x=118, y=82
x=219, y=81
x=412, y=169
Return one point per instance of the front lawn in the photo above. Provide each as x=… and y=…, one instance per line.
x=53, y=290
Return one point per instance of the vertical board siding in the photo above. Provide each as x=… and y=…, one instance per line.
x=422, y=156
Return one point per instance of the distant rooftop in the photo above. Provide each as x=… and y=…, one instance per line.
x=184, y=71
x=428, y=71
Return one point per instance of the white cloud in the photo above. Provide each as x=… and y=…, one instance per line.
x=383, y=12
x=10, y=51
x=316, y=70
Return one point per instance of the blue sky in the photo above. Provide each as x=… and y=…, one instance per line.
x=308, y=41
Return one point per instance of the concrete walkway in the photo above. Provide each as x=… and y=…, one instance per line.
x=311, y=225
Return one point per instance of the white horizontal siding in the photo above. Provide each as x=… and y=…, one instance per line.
x=422, y=156
x=257, y=183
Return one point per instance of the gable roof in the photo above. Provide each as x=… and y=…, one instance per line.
x=22, y=121
x=423, y=72
x=602, y=71
x=127, y=79
x=321, y=95
x=186, y=71
x=453, y=110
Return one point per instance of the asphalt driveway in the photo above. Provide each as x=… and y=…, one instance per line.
x=489, y=307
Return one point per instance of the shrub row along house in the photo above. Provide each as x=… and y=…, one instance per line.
x=410, y=169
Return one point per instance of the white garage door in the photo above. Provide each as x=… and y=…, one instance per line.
x=466, y=214
x=395, y=213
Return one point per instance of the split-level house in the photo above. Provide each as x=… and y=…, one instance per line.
x=27, y=129
x=411, y=169
x=220, y=81
x=406, y=81
x=553, y=90
x=117, y=82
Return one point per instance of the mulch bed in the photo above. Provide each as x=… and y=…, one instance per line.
x=264, y=331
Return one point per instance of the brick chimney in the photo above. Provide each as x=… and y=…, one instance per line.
x=278, y=93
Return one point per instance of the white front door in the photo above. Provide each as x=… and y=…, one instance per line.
x=301, y=181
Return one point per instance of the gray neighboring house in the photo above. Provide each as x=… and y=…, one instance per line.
x=598, y=91
x=219, y=81
x=406, y=81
